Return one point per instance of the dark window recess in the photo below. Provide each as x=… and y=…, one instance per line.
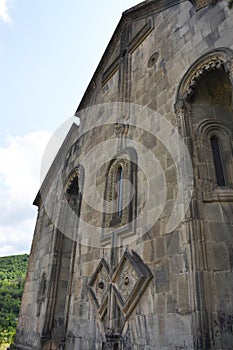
x=119, y=191
x=74, y=187
x=218, y=164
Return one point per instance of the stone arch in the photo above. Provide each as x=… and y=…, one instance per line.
x=221, y=58
x=201, y=113
x=77, y=172
x=204, y=101
x=73, y=187
x=61, y=278
x=207, y=129
x=127, y=160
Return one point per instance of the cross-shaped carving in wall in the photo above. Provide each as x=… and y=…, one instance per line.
x=117, y=286
x=116, y=293
x=128, y=45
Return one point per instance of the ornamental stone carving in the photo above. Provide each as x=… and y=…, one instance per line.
x=111, y=220
x=214, y=63
x=130, y=281
x=126, y=280
x=199, y=4
x=121, y=129
x=100, y=282
x=124, y=287
x=75, y=173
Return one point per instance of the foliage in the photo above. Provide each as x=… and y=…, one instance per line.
x=12, y=276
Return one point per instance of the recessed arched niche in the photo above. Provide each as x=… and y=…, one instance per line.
x=204, y=110
x=212, y=97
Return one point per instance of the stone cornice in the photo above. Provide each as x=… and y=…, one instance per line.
x=148, y=8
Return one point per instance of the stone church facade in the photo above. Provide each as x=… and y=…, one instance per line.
x=117, y=261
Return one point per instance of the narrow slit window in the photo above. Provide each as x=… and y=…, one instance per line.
x=119, y=191
x=218, y=164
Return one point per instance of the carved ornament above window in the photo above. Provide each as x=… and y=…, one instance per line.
x=217, y=59
x=214, y=189
x=199, y=4
x=214, y=63
x=75, y=174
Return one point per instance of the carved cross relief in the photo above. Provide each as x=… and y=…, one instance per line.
x=116, y=293
x=121, y=63
x=116, y=287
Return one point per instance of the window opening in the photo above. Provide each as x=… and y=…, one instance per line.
x=218, y=164
x=119, y=196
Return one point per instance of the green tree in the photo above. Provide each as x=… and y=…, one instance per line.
x=12, y=276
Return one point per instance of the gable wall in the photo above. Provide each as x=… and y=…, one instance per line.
x=169, y=315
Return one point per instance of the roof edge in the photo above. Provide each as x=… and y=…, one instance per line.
x=146, y=8
x=56, y=164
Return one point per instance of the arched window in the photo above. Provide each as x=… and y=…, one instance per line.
x=218, y=164
x=73, y=188
x=119, y=191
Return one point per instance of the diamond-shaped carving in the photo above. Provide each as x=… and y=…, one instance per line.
x=99, y=285
x=116, y=295
x=130, y=281
x=126, y=279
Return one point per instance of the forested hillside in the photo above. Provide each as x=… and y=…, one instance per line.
x=12, y=276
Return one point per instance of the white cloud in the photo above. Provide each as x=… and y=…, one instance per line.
x=4, y=13
x=20, y=163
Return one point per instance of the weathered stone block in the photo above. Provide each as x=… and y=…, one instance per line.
x=214, y=252
x=162, y=274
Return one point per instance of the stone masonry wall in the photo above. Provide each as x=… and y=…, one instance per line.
x=188, y=302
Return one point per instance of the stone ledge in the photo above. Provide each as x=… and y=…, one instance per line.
x=220, y=194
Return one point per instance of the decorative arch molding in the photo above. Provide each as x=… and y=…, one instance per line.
x=217, y=59
x=211, y=190
x=128, y=153
x=73, y=189
x=77, y=172
x=209, y=126
x=65, y=243
x=123, y=226
x=74, y=174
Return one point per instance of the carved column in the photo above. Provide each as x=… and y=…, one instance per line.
x=193, y=225
x=183, y=114
x=180, y=114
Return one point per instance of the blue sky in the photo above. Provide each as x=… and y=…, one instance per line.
x=49, y=51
